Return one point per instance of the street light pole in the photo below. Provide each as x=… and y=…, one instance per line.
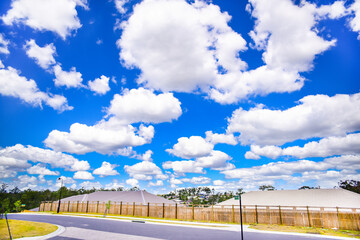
x=58, y=210
x=241, y=222
x=238, y=197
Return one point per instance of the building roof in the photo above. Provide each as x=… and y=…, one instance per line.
x=308, y=197
x=119, y=196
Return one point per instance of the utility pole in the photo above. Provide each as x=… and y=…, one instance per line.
x=62, y=181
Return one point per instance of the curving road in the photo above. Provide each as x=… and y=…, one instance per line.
x=99, y=228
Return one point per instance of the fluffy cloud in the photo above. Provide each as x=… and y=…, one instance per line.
x=287, y=33
x=113, y=134
x=59, y=16
x=216, y=138
x=106, y=169
x=143, y=170
x=197, y=180
x=183, y=166
x=119, y=4
x=350, y=144
x=216, y=160
x=218, y=182
x=314, y=116
x=325, y=173
x=142, y=105
x=44, y=56
x=14, y=85
x=114, y=185
x=38, y=169
x=4, y=45
x=105, y=137
x=355, y=22
x=25, y=179
x=84, y=175
x=68, y=79
x=162, y=60
x=158, y=183
x=192, y=147
x=18, y=155
x=100, y=85
x=132, y=182
x=90, y=185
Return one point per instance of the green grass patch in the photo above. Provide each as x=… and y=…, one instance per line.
x=310, y=230
x=21, y=229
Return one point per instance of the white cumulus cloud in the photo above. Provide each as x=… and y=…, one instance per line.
x=192, y=147
x=100, y=85
x=330, y=146
x=4, y=43
x=68, y=79
x=58, y=16
x=18, y=156
x=142, y=105
x=44, y=56
x=14, y=85
x=84, y=175
x=38, y=169
x=314, y=116
x=106, y=169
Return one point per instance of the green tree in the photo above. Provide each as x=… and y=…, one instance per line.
x=351, y=185
x=17, y=206
x=266, y=188
x=240, y=191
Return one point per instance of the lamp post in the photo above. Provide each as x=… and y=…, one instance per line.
x=241, y=222
x=62, y=181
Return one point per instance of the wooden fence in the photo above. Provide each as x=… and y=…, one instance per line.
x=323, y=217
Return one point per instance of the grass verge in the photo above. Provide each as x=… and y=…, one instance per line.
x=21, y=229
x=311, y=230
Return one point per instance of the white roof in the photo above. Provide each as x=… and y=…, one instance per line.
x=119, y=196
x=308, y=197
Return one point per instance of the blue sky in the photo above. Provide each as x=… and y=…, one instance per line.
x=166, y=94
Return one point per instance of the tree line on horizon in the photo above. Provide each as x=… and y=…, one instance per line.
x=14, y=200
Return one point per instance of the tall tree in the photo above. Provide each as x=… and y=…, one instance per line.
x=351, y=185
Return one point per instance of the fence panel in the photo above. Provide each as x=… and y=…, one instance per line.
x=341, y=218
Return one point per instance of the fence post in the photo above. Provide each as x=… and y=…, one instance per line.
x=120, y=207
x=233, y=214
x=133, y=209
x=77, y=206
x=87, y=207
x=148, y=210
x=295, y=215
x=175, y=210
x=281, y=222
x=97, y=207
x=193, y=212
x=68, y=210
x=338, y=217
x=308, y=213
x=212, y=212
x=256, y=215
x=244, y=214
x=163, y=210
x=51, y=206
x=355, y=219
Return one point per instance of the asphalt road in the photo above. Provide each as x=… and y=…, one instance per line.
x=97, y=228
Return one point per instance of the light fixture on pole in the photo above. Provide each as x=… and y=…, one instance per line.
x=62, y=181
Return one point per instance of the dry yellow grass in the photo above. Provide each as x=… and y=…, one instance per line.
x=310, y=230
x=25, y=229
